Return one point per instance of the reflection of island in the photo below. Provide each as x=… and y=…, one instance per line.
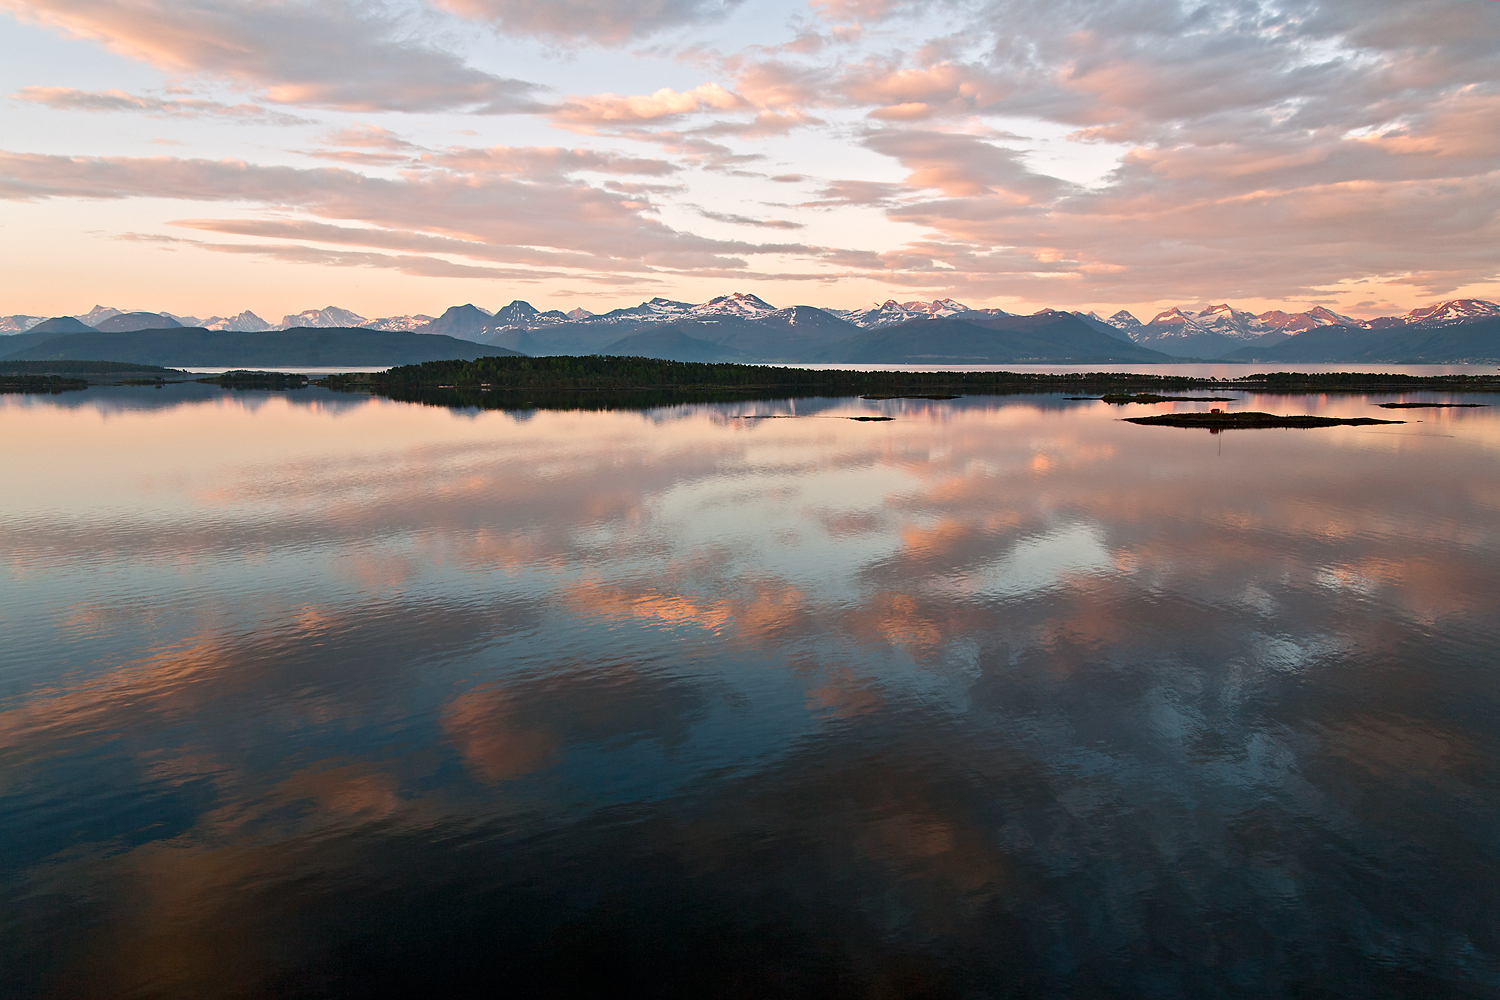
x=1427, y=406
x=63, y=376
x=242, y=379
x=1220, y=421
x=1151, y=397
x=39, y=383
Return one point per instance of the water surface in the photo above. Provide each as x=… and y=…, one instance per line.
x=312, y=694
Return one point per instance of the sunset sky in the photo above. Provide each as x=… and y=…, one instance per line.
x=209, y=156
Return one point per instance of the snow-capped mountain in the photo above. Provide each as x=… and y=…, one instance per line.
x=739, y=305
x=1225, y=321
x=1184, y=331
x=245, y=322
x=1309, y=320
x=1222, y=320
x=521, y=315
x=1451, y=312
x=402, y=323
x=893, y=313
x=18, y=323
x=99, y=314
x=325, y=317
x=1175, y=319
x=657, y=310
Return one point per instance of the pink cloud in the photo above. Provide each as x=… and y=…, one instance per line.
x=497, y=210
x=71, y=99
x=547, y=162
x=600, y=21
x=664, y=103
x=334, y=54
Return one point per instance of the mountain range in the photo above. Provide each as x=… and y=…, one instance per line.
x=743, y=327
x=192, y=346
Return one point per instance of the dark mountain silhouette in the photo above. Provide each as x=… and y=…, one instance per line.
x=566, y=338
x=130, y=322
x=1055, y=338
x=313, y=347
x=466, y=322
x=1207, y=344
x=61, y=324
x=670, y=343
x=1112, y=332
x=21, y=341
x=770, y=338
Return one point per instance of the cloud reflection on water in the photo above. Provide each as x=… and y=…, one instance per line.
x=1003, y=688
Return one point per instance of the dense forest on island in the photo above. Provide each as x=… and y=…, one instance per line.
x=609, y=373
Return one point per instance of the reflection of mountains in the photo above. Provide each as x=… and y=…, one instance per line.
x=578, y=399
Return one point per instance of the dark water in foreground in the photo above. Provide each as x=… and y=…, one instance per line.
x=314, y=695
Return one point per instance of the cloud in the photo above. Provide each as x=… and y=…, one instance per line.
x=70, y=99
x=858, y=11
x=745, y=220
x=496, y=210
x=419, y=266
x=965, y=165
x=844, y=193
x=547, y=162
x=1257, y=151
x=388, y=239
x=367, y=144
x=321, y=53
x=603, y=21
x=1184, y=150
x=664, y=103
x=370, y=137
x=907, y=93
x=765, y=123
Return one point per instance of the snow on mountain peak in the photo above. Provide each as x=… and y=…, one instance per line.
x=99, y=314
x=1171, y=317
x=1327, y=317
x=403, y=324
x=519, y=309
x=522, y=315
x=1453, y=311
x=18, y=323
x=245, y=322
x=325, y=317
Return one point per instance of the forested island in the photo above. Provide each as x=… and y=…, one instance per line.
x=603, y=381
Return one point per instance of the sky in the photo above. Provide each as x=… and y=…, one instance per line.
x=207, y=156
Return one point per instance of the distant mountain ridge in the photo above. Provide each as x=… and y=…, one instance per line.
x=1477, y=340
x=744, y=327
x=300, y=346
x=1222, y=331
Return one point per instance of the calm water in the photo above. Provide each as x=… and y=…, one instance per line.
x=316, y=695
